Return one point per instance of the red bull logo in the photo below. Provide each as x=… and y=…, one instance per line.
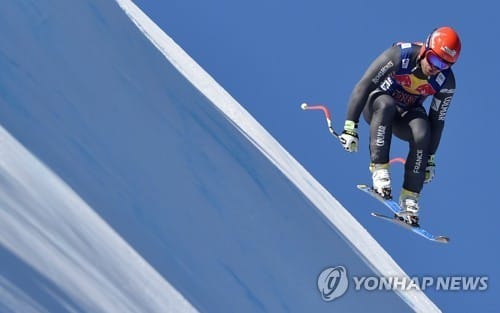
x=425, y=89
x=414, y=85
x=403, y=80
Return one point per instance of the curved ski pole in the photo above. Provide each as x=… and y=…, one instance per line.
x=397, y=160
x=304, y=106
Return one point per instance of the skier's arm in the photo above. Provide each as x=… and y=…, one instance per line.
x=438, y=110
x=383, y=65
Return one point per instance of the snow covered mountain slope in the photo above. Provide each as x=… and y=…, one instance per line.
x=132, y=182
x=61, y=255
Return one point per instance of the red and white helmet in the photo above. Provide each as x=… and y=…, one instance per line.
x=444, y=42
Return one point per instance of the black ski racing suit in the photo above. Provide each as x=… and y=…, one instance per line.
x=391, y=95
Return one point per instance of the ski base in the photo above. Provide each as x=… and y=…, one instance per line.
x=396, y=209
x=416, y=229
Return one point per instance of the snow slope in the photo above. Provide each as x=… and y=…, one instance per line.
x=132, y=182
x=85, y=265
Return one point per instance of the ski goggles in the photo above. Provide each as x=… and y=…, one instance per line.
x=436, y=61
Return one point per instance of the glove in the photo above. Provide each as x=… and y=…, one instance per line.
x=430, y=169
x=349, y=137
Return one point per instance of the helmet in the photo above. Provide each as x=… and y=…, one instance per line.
x=444, y=41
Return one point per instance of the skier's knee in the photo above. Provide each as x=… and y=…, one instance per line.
x=384, y=104
x=421, y=138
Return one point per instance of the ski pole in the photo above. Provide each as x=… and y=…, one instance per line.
x=304, y=106
x=328, y=118
x=397, y=160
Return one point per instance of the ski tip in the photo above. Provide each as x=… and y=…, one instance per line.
x=362, y=186
x=442, y=239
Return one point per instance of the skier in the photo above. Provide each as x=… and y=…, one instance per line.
x=391, y=95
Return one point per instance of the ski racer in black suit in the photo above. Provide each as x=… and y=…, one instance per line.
x=391, y=96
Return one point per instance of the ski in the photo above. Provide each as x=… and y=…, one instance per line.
x=396, y=209
x=416, y=229
x=391, y=204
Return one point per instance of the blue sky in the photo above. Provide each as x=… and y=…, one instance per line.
x=273, y=55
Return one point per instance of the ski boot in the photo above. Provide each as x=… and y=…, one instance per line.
x=408, y=201
x=381, y=179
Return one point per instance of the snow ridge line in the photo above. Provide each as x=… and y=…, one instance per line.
x=47, y=225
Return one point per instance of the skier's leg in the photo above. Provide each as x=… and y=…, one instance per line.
x=414, y=127
x=380, y=113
